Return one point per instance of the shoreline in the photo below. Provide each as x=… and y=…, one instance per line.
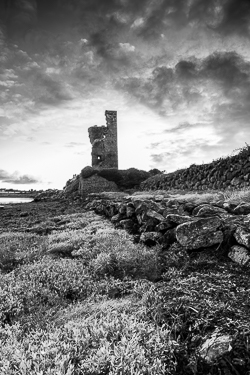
x=16, y=195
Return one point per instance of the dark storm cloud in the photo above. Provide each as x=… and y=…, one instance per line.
x=113, y=54
x=223, y=16
x=186, y=83
x=19, y=16
x=15, y=178
x=234, y=16
x=101, y=24
x=228, y=68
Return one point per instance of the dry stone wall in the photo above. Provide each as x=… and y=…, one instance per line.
x=221, y=227
x=228, y=173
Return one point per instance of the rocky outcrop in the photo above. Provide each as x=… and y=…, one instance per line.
x=226, y=173
x=164, y=220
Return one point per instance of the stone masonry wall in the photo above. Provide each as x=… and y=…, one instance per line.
x=95, y=184
x=226, y=173
x=180, y=224
x=104, y=142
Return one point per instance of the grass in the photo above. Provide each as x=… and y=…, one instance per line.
x=82, y=298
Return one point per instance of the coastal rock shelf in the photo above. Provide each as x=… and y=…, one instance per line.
x=192, y=226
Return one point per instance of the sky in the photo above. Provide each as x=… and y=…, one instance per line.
x=176, y=71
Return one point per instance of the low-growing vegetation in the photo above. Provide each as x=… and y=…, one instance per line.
x=80, y=297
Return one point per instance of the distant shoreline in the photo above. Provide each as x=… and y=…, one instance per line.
x=16, y=195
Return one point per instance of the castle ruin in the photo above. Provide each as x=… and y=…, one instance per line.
x=104, y=142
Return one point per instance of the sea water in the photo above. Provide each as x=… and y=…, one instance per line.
x=8, y=200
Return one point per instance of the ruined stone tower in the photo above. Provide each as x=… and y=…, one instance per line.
x=104, y=142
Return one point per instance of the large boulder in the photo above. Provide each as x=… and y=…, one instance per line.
x=199, y=233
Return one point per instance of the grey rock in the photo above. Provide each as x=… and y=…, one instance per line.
x=154, y=215
x=177, y=219
x=163, y=226
x=208, y=210
x=239, y=254
x=117, y=218
x=215, y=347
x=199, y=233
x=242, y=236
x=130, y=211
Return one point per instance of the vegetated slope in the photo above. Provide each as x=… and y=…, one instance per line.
x=229, y=172
x=82, y=298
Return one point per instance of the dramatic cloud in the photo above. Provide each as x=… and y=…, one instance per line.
x=17, y=179
x=184, y=65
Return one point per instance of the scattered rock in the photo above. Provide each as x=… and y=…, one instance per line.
x=215, y=347
x=242, y=237
x=239, y=254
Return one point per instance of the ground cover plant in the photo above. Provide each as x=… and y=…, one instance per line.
x=82, y=298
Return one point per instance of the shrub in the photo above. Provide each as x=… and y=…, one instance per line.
x=42, y=285
x=119, y=257
x=111, y=343
x=18, y=248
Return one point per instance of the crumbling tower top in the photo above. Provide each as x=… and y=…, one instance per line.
x=104, y=142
